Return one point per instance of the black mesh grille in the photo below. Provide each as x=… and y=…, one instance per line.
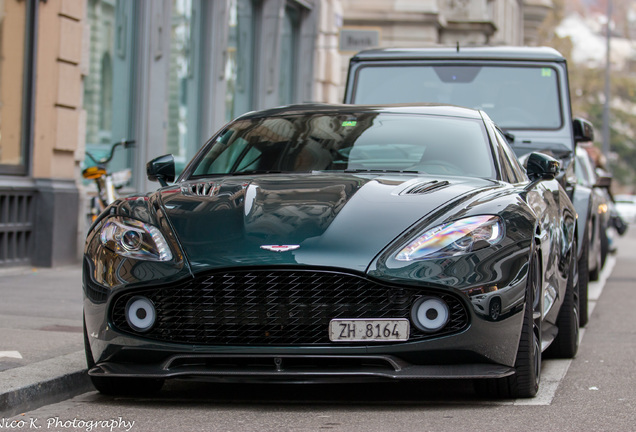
x=275, y=307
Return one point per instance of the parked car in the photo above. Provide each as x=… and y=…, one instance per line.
x=525, y=90
x=626, y=207
x=600, y=215
x=327, y=242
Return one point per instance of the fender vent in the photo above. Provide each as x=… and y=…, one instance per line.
x=425, y=187
x=201, y=189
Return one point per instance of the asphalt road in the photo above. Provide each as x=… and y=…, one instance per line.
x=594, y=392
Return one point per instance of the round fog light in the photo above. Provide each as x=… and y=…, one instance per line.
x=430, y=314
x=140, y=313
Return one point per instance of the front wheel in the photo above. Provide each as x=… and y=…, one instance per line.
x=584, y=280
x=525, y=381
x=566, y=343
x=605, y=246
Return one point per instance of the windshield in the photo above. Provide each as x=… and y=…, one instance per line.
x=359, y=142
x=514, y=97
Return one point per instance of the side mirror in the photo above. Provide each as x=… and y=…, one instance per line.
x=161, y=169
x=603, y=182
x=583, y=130
x=540, y=166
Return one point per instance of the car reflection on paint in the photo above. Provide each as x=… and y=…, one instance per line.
x=319, y=243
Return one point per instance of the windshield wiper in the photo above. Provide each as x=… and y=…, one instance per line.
x=509, y=136
x=364, y=170
x=249, y=172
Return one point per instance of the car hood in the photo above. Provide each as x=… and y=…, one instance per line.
x=325, y=219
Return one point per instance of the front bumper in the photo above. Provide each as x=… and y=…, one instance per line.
x=478, y=347
x=485, y=350
x=295, y=368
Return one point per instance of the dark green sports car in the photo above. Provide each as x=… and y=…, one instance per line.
x=333, y=242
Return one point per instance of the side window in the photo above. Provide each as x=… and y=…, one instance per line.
x=509, y=160
x=507, y=173
x=520, y=172
x=583, y=169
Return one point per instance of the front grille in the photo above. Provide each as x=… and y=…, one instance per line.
x=275, y=307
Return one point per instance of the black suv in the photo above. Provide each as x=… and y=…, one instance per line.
x=524, y=90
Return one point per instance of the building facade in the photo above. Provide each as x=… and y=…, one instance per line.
x=416, y=23
x=167, y=74
x=40, y=131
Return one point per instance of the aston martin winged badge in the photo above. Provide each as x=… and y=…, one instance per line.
x=280, y=248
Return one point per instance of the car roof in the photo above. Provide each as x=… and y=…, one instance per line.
x=343, y=109
x=467, y=53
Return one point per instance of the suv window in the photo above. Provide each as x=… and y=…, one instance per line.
x=515, y=97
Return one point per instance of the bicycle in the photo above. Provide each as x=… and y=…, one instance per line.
x=108, y=183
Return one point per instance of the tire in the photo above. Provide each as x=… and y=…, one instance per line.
x=566, y=343
x=525, y=381
x=115, y=386
x=584, y=280
x=593, y=274
x=494, y=309
x=605, y=248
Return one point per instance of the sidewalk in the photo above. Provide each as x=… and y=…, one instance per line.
x=41, y=343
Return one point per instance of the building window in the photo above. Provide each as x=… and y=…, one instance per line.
x=108, y=98
x=13, y=146
x=288, y=56
x=239, y=64
x=179, y=75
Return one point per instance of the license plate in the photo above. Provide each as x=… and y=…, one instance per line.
x=365, y=330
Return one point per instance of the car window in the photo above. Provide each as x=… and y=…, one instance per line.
x=583, y=168
x=517, y=173
x=513, y=96
x=361, y=141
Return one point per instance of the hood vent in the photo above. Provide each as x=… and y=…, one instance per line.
x=425, y=187
x=201, y=189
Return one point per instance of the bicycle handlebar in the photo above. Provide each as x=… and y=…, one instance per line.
x=125, y=143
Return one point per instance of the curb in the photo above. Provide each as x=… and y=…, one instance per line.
x=29, y=387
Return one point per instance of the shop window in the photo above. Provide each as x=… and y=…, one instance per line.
x=239, y=64
x=108, y=95
x=288, y=56
x=185, y=80
x=180, y=72
x=13, y=25
x=105, y=114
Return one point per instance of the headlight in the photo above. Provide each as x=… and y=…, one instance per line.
x=134, y=239
x=454, y=238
